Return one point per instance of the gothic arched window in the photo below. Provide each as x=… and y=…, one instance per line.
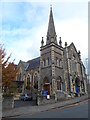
x=48, y=61
x=44, y=62
x=74, y=66
x=56, y=60
x=60, y=62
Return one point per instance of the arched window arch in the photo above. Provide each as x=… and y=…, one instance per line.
x=59, y=83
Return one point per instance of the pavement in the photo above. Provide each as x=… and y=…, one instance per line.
x=35, y=109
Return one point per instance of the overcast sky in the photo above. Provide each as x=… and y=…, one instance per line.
x=25, y=23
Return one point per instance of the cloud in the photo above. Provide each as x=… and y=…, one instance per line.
x=24, y=24
x=24, y=44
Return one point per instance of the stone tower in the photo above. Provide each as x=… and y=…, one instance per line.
x=51, y=61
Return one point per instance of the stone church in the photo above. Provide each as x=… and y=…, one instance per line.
x=58, y=72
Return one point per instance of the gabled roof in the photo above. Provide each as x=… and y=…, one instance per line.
x=72, y=45
x=25, y=64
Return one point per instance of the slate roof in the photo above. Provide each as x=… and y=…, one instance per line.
x=25, y=64
x=34, y=63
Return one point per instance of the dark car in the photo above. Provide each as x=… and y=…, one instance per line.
x=25, y=97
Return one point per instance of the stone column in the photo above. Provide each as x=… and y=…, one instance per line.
x=71, y=84
x=53, y=87
x=39, y=81
x=68, y=70
x=80, y=88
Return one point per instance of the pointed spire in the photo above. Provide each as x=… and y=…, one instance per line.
x=51, y=34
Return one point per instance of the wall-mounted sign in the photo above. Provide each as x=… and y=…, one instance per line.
x=44, y=92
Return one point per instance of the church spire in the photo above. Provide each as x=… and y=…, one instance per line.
x=51, y=34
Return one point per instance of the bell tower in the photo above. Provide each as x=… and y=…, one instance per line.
x=51, y=61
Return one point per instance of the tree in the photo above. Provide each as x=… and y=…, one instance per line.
x=9, y=73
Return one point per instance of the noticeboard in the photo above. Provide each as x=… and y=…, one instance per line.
x=44, y=92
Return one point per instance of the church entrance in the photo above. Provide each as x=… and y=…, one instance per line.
x=77, y=86
x=46, y=85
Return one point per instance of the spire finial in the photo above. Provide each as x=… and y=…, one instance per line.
x=50, y=6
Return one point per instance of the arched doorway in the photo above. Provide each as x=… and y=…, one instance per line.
x=46, y=85
x=77, y=86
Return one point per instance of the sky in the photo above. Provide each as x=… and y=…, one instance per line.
x=24, y=23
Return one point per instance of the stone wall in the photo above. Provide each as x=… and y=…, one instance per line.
x=7, y=102
x=61, y=95
x=42, y=100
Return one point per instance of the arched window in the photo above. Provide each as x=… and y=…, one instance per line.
x=36, y=81
x=44, y=62
x=60, y=62
x=48, y=61
x=59, y=83
x=73, y=66
x=56, y=60
x=19, y=76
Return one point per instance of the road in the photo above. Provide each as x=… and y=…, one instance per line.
x=75, y=111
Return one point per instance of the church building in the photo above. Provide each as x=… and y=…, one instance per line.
x=58, y=73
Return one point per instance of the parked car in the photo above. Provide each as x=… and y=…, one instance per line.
x=25, y=97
